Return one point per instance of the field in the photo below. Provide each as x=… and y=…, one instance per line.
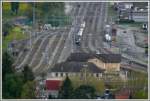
x=14, y=34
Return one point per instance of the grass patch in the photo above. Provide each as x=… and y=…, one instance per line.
x=133, y=24
x=137, y=80
x=140, y=95
x=92, y=81
x=14, y=34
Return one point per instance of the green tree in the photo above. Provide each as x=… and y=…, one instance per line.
x=28, y=74
x=55, y=15
x=137, y=80
x=87, y=77
x=7, y=26
x=28, y=90
x=66, y=89
x=14, y=7
x=7, y=62
x=12, y=86
x=29, y=12
x=138, y=84
x=84, y=92
x=140, y=95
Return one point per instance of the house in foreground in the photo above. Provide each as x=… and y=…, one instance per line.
x=123, y=94
x=52, y=87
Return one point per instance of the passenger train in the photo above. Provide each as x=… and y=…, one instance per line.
x=79, y=33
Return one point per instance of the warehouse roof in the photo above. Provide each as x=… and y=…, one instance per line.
x=80, y=57
x=53, y=84
x=110, y=58
x=83, y=57
x=76, y=67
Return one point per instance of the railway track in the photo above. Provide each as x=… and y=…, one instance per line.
x=39, y=52
x=56, y=46
x=85, y=37
x=92, y=35
x=23, y=60
x=53, y=55
x=23, y=53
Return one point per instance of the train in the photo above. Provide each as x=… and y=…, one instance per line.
x=79, y=33
x=107, y=31
x=110, y=33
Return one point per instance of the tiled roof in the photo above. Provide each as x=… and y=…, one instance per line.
x=123, y=94
x=83, y=57
x=75, y=67
x=79, y=57
x=122, y=97
x=110, y=58
x=53, y=84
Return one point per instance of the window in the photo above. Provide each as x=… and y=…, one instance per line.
x=97, y=75
x=100, y=74
x=66, y=74
x=61, y=74
x=56, y=74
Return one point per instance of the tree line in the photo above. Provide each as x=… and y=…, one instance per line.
x=16, y=85
x=67, y=91
x=45, y=12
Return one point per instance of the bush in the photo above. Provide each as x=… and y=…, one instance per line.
x=140, y=95
x=126, y=21
x=84, y=92
x=7, y=27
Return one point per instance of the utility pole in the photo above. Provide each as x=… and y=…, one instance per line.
x=85, y=73
x=33, y=15
x=33, y=25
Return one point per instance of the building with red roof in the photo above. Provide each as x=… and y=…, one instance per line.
x=122, y=97
x=53, y=86
x=123, y=94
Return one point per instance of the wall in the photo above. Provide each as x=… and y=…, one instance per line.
x=53, y=93
x=107, y=66
x=52, y=75
x=97, y=62
x=112, y=66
